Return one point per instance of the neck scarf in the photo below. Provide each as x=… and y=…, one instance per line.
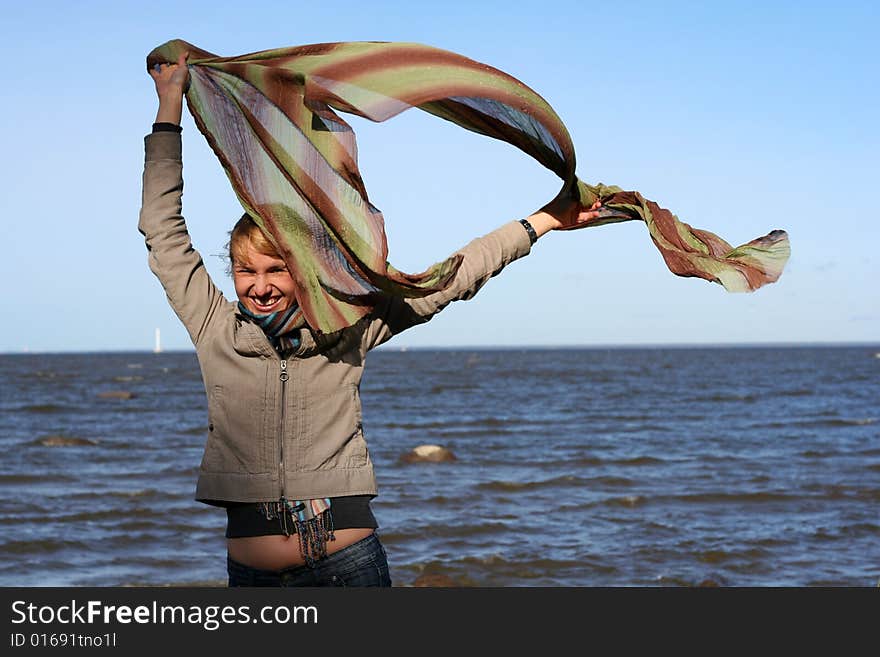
x=271, y=119
x=278, y=325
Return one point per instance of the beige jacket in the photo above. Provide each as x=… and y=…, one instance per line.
x=282, y=428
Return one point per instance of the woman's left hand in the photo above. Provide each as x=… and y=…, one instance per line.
x=563, y=214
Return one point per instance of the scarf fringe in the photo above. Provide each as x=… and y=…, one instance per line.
x=311, y=521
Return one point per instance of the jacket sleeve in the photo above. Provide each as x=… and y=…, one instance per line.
x=171, y=256
x=483, y=258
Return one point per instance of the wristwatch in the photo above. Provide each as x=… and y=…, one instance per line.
x=533, y=236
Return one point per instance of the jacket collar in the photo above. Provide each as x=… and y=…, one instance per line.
x=249, y=339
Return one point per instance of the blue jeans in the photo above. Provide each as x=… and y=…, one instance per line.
x=363, y=563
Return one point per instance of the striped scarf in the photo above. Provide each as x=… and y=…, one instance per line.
x=278, y=326
x=271, y=118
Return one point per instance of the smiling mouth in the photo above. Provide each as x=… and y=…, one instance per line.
x=266, y=306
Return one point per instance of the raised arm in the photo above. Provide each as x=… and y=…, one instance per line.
x=179, y=267
x=483, y=258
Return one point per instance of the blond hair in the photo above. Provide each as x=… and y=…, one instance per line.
x=247, y=233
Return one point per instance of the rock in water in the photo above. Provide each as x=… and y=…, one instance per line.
x=116, y=394
x=435, y=580
x=428, y=454
x=713, y=580
x=64, y=441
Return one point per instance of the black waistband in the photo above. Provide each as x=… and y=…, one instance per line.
x=250, y=519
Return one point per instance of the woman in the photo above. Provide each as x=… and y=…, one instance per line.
x=285, y=454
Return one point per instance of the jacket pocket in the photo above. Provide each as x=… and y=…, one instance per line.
x=356, y=449
x=333, y=437
x=232, y=445
x=356, y=402
x=357, y=452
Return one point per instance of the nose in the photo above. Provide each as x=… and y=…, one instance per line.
x=262, y=286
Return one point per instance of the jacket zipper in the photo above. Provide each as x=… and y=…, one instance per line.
x=284, y=376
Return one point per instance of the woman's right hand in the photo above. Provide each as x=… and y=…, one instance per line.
x=172, y=81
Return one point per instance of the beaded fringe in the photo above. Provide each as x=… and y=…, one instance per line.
x=312, y=523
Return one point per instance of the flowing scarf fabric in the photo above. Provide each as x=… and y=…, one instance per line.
x=271, y=119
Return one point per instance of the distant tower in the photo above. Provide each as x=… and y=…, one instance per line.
x=158, y=348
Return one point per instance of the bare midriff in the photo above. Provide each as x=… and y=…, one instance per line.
x=278, y=552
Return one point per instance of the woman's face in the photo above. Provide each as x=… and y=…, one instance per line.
x=262, y=282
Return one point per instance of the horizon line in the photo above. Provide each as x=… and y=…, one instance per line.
x=386, y=347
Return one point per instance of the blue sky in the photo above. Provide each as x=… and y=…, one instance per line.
x=740, y=117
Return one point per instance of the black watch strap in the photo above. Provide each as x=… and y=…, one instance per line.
x=533, y=236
